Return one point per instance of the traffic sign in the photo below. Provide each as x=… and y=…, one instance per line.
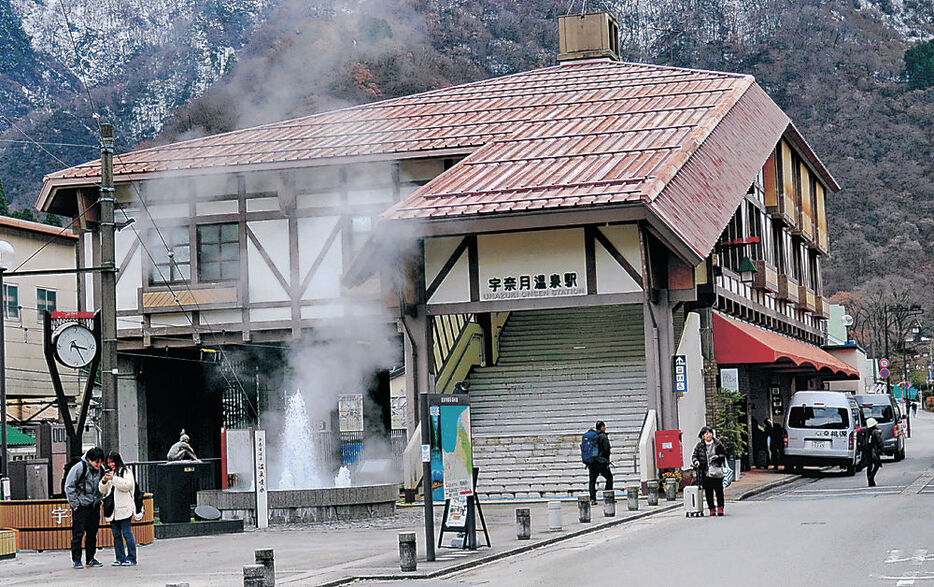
x=884, y=373
x=884, y=363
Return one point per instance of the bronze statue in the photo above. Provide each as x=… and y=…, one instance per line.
x=182, y=451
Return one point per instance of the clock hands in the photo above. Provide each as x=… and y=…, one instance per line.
x=78, y=349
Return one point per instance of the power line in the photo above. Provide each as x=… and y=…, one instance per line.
x=42, y=143
x=74, y=45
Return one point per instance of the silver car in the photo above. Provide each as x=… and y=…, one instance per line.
x=883, y=408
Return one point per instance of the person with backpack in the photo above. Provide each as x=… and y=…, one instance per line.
x=708, y=460
x=81, y=490
x=595, y=453
x=119, y=487
x=872, y=447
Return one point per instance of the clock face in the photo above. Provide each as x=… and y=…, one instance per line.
x=75, y=346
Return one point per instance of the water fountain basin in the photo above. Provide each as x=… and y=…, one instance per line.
x=296, y=506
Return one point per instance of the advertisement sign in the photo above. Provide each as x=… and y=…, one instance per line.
x=350, y=412
x=437, y=468
x=729, y=379
x=456, y=452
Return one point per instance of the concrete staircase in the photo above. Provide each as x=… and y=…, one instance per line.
x=559, y=371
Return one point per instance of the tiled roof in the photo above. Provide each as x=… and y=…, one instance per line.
x=575, y=135
x=37, y=227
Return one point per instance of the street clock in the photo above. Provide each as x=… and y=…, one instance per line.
x=75, y=346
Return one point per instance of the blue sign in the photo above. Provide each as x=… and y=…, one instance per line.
x=680, y=369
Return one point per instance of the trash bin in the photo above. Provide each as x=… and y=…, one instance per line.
x=178, y=484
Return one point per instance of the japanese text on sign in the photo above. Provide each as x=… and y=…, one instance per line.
x=531, y=286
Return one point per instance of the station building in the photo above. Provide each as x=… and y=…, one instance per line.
x=553, y=237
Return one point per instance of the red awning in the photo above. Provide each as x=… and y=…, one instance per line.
x=738, y=343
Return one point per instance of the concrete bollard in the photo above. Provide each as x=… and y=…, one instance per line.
x=651, y=490
x=253, y=575
x=267, y=558
x=554, y=516
x=523, y=523
x=583, y=508
x=671, y=489
x=632, y=498
x=408, y=560
x=609, y=503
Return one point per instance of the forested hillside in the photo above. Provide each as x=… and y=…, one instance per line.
x=838, y=67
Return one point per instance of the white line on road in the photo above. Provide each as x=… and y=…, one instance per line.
x=848, y=489
x=895, y=556
x=907, y=579
x=919, y=556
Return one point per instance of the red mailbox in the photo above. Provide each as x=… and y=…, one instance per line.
x=668, y=449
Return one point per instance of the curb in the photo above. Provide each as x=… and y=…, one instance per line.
x=767, y=487
x=500, y=555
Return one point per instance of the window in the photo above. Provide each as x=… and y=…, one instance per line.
x=818, y=417
x=11, y=301
x=178, y=267
x=881, y=412
x=218, y=252
x=45, y=300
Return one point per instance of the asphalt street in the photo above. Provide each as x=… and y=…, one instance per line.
x=825, y=529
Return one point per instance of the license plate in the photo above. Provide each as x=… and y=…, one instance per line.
x=818, y=443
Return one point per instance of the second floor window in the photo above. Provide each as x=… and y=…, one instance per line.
x=219, y=252
x=10, y=301
x=178, y=267
x=46, y=299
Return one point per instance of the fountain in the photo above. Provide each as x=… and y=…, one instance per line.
x=302, y=494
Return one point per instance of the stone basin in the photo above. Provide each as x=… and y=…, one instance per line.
x=295, y=506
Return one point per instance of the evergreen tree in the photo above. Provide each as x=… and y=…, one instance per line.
x=4, y=205
x=919, y=66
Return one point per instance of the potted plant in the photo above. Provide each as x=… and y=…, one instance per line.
x=730, y=425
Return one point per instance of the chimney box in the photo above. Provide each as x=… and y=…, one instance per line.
x=588, y=36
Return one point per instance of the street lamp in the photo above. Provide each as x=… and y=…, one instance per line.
x=6, y=260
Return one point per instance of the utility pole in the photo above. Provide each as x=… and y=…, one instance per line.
x=885, y=326
x=109, y=422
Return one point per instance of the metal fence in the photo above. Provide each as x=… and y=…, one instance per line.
x=145, y=474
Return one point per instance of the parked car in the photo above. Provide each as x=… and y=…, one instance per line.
x=884, y=409
x=820, y=430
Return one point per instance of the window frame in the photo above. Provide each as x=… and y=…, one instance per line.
x=173, y=265
x=219, y=261
x=40, y=306
x=7, y=315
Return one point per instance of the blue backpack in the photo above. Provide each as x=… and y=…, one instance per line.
x=589, y=448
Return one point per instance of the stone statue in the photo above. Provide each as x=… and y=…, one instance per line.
x=182, y=451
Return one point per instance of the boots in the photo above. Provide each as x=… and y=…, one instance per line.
x=719, y=511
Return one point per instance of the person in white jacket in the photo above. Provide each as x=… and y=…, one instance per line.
x=119, y=479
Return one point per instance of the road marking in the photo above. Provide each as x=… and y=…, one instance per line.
x=895, y=556
x=920, y=483
x=848, y=489
x=907, y=579
x=919, y=556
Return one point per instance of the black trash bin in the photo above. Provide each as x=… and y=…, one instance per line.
x=178, y=486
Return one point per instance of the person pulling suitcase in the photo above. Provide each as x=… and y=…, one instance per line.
x=709, y=460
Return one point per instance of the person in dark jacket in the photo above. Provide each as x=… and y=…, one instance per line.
x=601, y=463
x=708, y=459
x=872, y=454
x=81, y=489
x=776, y=442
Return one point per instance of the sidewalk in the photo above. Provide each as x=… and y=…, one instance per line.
x=334, y=553
x=755, y=482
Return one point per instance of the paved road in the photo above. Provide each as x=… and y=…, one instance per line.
x=826, y=529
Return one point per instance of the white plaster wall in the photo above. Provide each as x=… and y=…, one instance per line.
x=222, y=207
x=262, y=204
x=321, y=311
x=169, y=211
x=270, y=314
x=692, y=405
x=221, y=317
x=611, y=278
x=129, y=282
x=456, y=286
x=274, y=236
x=312, y=235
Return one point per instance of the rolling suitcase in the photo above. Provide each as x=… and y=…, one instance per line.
x=693, y=502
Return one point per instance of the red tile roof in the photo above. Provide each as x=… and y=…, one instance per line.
x=575, y=135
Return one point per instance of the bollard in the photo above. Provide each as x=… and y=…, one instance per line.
x=253, y=575
x=583, y=508
x=266, y=557
x=651, y=489
x=554, y=516
x=609, y=503
x=523, y=523
x=632, y=498
x=407, y=552
x=671, y=489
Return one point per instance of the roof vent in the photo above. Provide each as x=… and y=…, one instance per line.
x=588, y=36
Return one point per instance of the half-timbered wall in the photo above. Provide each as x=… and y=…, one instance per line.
x=257, y=255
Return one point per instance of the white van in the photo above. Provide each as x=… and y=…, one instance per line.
x=820, y=430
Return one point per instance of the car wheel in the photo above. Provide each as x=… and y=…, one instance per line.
x=850, y=469
x=900, y=455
